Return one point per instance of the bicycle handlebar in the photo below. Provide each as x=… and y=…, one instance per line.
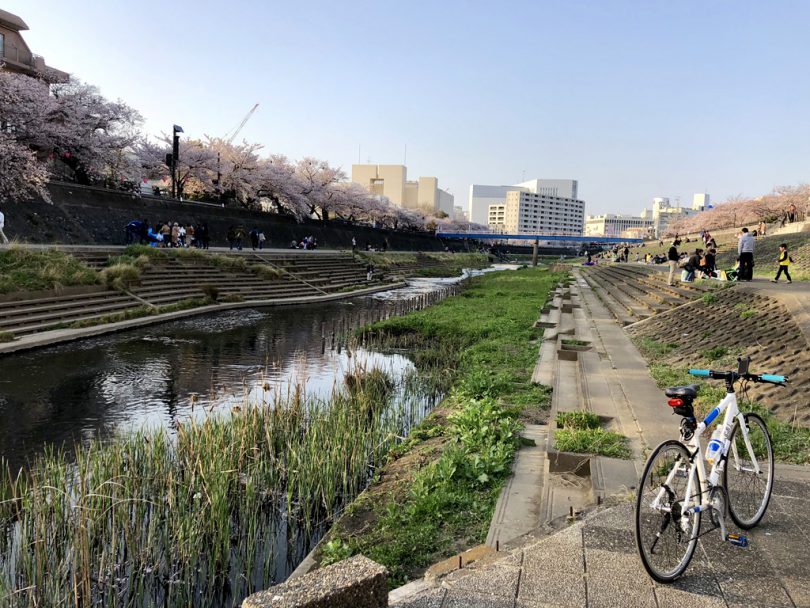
x=769, y=378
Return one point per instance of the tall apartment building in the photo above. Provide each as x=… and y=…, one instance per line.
x=617, y=225
x=392, y=182
x=482, y=196
x=16, y=56
x=537, y=213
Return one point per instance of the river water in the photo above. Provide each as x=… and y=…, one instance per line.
x=163, y=374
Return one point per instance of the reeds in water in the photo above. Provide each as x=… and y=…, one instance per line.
x=199, y=518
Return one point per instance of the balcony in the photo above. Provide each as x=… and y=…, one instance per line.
x=26, y=62
x=18, y=56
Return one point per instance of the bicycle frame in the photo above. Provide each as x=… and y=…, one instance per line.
x=728, y=405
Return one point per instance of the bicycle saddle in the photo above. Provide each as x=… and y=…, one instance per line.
x=689, y=391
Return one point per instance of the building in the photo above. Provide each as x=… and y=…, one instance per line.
x=447, y=203
x=392, y=182
x=459, y=214
x=482, y=196
x=537, y=213
x=701, y=202
x=616, y=225
x=15, y=56
x=663, y=214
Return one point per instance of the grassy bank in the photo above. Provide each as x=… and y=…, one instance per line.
x=437, y=492
x=23, y=269
x=424, y=264
x=791, y=442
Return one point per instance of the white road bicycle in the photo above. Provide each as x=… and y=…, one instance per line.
x=675, y=490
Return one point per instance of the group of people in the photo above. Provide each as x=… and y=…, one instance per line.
x=167, y=234
x=702, y=263
x=308, y=242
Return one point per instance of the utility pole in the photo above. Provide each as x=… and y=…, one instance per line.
x=175, y=156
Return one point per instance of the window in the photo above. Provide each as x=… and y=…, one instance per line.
x=2, y=45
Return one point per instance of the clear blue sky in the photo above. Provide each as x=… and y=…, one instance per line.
x=634, y=99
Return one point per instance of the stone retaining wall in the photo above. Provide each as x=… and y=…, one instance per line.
x=95, y=216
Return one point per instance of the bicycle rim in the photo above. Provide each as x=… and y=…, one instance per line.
x=665, y=541
x=749, y=492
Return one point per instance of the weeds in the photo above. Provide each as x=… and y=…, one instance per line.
x=32, y=270
x=7, y=336
x=578, y=420
x=592, y=441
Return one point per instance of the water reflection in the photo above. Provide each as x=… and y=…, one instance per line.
x=161, y=375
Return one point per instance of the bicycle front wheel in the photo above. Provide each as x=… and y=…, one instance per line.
x=749, y=492
x=665, y=538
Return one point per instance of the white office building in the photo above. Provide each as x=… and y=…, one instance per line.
x=618, y=225
x=527, y=212
x=482, y=196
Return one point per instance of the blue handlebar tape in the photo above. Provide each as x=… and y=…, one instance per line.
x=772, y=378
x=701, y=372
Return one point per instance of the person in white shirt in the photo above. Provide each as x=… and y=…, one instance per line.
x=2, y=224
x=745, y=249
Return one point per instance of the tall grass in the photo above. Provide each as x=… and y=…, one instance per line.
x=198, y=518
x=23, y=269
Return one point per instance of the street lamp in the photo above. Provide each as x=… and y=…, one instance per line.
x=175, y=154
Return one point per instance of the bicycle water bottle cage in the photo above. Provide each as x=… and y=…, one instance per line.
x=681, y=398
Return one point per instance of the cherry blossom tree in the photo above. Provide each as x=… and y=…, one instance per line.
x=21, y=176
x=70, y=123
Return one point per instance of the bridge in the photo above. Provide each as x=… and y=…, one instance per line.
x=483, y=235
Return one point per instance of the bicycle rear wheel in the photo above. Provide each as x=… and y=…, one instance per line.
x=749, y=492
x=666, y=541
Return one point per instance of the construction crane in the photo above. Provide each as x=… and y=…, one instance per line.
x=241, y=124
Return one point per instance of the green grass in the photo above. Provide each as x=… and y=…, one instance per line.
x=653, y=348
x=592, y=441
x=481, y=345
x=578, y=420
x=575, y=342
x=7, y=336
x=24, y=269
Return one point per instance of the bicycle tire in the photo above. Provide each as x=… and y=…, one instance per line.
x=749, y=493
x=664, y=548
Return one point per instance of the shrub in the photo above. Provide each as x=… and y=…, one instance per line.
x=211, y=291
x=120, y=276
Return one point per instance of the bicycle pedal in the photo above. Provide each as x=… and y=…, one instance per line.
x=738, y=540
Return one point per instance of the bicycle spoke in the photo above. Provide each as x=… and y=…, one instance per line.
x=665, y=539
x=748, y=491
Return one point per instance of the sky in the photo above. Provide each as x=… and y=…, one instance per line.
x=633, y=99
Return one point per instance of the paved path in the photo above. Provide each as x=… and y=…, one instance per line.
x=594, y=563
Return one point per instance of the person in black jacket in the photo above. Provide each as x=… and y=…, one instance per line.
x=709, y=266
x=672, y=257
x=693, y=264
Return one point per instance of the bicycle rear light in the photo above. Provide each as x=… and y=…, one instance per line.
x=676, y=402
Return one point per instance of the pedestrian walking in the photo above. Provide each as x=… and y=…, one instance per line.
x=745, y=250
x=2, y=225
x=672, y=258
x=784, y=264
x=262, y=239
